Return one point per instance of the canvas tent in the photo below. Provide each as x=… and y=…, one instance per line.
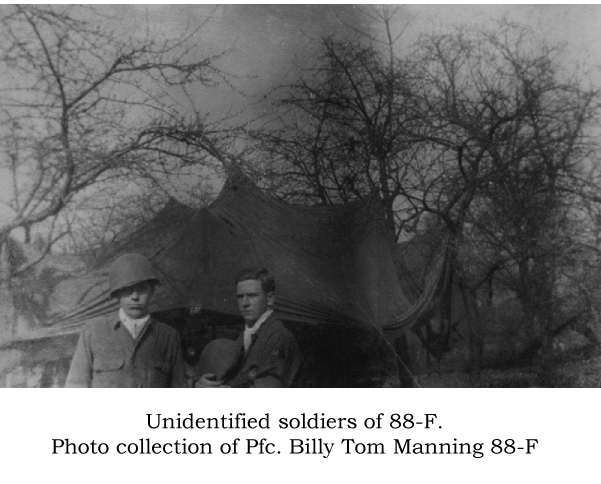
x=332, y=264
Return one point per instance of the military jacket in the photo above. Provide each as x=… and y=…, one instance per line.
x=107, y=355
x=272, y=360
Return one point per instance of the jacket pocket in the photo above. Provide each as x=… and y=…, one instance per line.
x=161, y=376
x=164, y=368
x=108, y=364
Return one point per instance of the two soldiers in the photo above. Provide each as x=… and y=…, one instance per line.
x=135, y=350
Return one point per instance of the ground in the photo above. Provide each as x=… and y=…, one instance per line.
x=579, y=369
x=349, y=358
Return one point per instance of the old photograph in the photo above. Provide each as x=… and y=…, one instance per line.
x=305, y=196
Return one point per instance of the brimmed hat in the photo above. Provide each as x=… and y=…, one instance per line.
x=130, y=269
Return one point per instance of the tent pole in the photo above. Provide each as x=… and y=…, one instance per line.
x=403, y=361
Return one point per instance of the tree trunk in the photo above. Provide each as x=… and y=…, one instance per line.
x=537, y=297
x=475, y=344
x=544, y=343
x=7, y=308
x=472, y=316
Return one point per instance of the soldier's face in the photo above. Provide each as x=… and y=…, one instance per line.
x=252, y=301
x=135, y=300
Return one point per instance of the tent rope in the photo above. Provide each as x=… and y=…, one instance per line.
x=399, y=358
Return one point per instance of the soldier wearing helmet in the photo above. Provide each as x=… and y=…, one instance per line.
x=131, y=349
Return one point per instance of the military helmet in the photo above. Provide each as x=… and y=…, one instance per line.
x=130, y=269
x=218, y=357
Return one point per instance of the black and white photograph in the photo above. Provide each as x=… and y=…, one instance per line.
x=300, y=196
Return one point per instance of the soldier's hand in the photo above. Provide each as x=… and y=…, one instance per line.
x=208, y=381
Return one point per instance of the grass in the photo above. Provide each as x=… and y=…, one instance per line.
x=578, y=369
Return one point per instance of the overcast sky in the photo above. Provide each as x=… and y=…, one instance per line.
x=267, y=39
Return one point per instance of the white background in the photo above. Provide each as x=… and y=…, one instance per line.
x=565, y=422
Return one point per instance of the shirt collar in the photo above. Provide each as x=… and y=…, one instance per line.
x=132, y=324
x=249, y=332
x=124, y=318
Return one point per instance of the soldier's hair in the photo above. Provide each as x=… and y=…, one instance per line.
x=257, y=274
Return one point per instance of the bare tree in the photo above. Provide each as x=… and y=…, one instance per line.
x=485, y=130
x=341, y=130
x=85, y=106
x=509, y=136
